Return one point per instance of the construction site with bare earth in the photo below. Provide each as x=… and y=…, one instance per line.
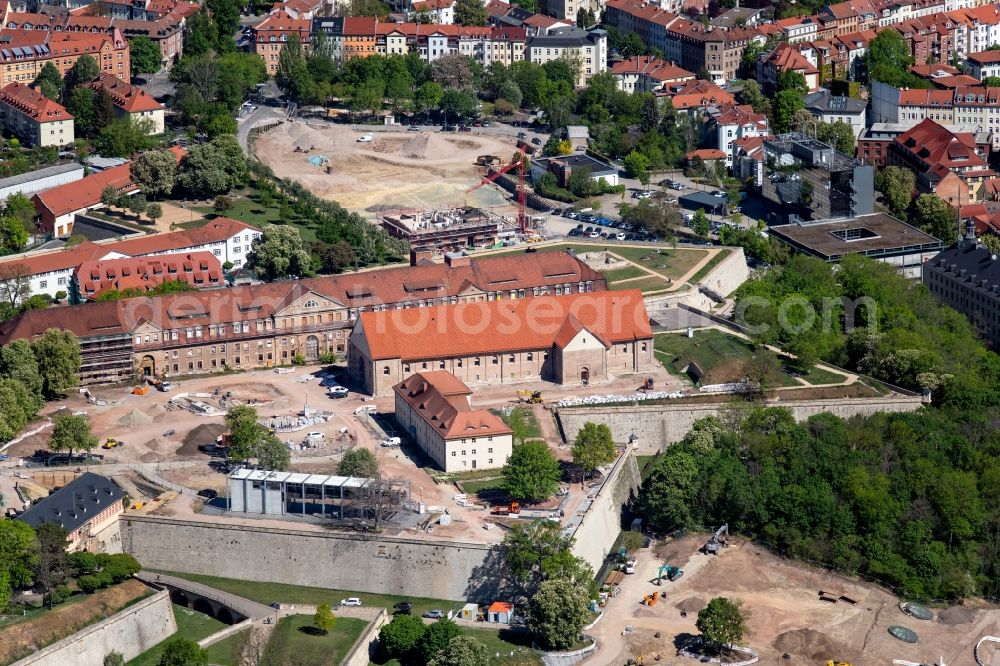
x=394, y=170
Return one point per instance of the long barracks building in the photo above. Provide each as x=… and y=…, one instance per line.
x=265, y=325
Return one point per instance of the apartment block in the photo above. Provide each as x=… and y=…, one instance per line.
x=34, y=118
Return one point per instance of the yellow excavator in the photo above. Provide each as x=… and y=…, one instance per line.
x=530, y=397
x=837, y=662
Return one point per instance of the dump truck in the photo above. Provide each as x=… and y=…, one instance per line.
x=511, y=509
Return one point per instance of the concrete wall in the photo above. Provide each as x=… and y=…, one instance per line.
x=366, y=563
x=728, y=274
x=131, y=631
x=361, y=652
x=602, y=523
x=659, y=425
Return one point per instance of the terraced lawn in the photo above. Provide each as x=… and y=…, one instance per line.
x=191, y=625
x=295, y=642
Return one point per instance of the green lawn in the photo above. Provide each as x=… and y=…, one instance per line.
x=227, y=651
x=821, y=376
x=191, y=625
x=293, y=643
x=645, y=286
x=523, y=422
x=267, y=593
x=720, y=356
x=667, y=262
x=246, y=209
x=518, y=644
x=479, y=485
x=704, y=270
x=620, y=274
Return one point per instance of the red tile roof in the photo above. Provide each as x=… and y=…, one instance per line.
x=786, y=57
x=128, y=98
x=984, y=57
x=652, y=67
x=941, y=150
x=87, y=191
x=198, y=269
x=706, y=154
x=697, y=94
x=484, y=328
x=33, y=104
x=442, y=400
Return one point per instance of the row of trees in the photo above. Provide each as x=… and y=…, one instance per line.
x=412, y=642
x=926, y=211
x=30, y=373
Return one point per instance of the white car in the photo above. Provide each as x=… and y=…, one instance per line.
x=337, y=392
x=350, y=601
x=315, y=435
x=392, y=441
x=366, y=138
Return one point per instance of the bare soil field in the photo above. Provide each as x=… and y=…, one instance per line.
x=788, y=623
x=396, y=170
x=25, y=637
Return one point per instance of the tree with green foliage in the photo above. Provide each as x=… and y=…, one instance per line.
x=462, y=651
x=250, y=440
x=18, y=557
x=532, y=473
x=49, y=82
x=700, y=224
x=752, y=94
x=15, y=408
x=324, y=619
x=457, y=104
x=784, y=105
x=84, y=71
x=124, y=136
x=593, y=447
x=58, y=354
x=557, y=613
x=54, y=565
x=154, y=211
x=790, y=79
x=748, y=62
x=471, y=13
x=226, y=17
x=637, y=166
x=155, y=172
x=80, y=104
x=278, y=252
x=71, y=432
x=723, y=622
x=104, y=110
x=359, y=462
x=888, y=60
x=897, y=185
x=293, y=73
x=213, y=168
x=179, y=651
x=436, y=639
x=399, y=638
x=537, y=551
x=428, y=96
x=13, y=235
x=18, y=363
x=934, y=216
x=144, y=55
x=137, y=205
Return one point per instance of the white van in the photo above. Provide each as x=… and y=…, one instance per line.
x=392, y=441
x=316, y=435
x=366, y=138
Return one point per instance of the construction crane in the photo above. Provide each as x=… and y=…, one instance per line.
x=522, y=193
x=717, y=540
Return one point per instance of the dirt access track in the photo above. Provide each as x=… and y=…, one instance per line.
x=425, y=169
x=787, y=616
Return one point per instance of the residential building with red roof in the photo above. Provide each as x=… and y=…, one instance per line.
x=647, y=74
x=981, y=65
x=785, y=58
x=51, y=271
x=270, y=36
x=947, y=164
x=264, y=325
x=974, y=105
x=23, y=53
x=434, y=409
x=57, y=207
x=568, y=339
x=748, y=158
x=733, y=122
x=34, y=118
x=201, y=270
x=438, y=11
x=132, y=101
x=696, y=96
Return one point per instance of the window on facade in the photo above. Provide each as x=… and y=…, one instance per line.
x=385, y=370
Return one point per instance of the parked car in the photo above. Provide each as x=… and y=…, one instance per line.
x=337, y=392
x=412, y=128
x=164, y=387
x=404, y=607
x=536, y=141
x=464, y=128
x=208, y=493
x=595, y=234
x=350, y=601
x=366, y=138
x=434, y=614
x=391, y=441
x=620, y=236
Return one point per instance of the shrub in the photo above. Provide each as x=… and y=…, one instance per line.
x=89, y=584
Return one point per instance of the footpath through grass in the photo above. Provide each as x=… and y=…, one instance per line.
x=295, y=641
x=266, y=593
x=191, y=625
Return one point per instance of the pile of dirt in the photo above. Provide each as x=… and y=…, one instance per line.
x=691, y=605
x=206, y=433
x=956, y=615
x=814, y=646
x=135, y=418
x=416, y=148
